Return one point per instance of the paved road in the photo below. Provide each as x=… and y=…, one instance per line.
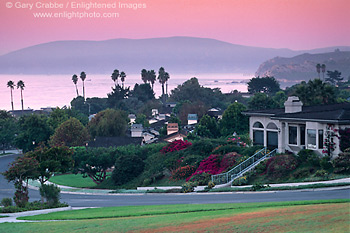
x=78, y=200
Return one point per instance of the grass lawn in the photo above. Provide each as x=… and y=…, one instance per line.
x=300, y=216
x=73, y=180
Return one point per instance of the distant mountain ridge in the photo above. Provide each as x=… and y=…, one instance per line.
x=303, y=67
x=176, y=54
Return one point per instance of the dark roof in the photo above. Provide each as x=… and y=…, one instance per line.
x=158, y=124
x=114, y=141
x=334, y=113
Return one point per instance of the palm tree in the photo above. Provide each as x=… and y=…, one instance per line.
x=122, y=77
x=144, y=75
x=166, y=77
x=323, y=67
x=20, y=84
x=11, y=85
x=161, y=78
x=83, y=77
x=115, y=75
x=318, y=69
x=151, y=75
x=75, y=81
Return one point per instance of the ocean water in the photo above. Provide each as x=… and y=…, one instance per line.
x=58, y=90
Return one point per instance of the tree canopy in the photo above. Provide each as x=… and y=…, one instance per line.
x=268, y=85
x=234, y=121
x=109, y=123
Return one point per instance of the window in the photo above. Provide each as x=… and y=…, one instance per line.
x=258, y=137
x=271, y=126
x=302, y=135
x=293, y=134
x=320, y=139
x=311, y=139
x=272, y=139
x=258, y=125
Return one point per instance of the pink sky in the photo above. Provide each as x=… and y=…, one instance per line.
x=294, y=24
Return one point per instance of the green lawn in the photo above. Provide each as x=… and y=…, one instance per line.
x=73, y=180
x=301, y=216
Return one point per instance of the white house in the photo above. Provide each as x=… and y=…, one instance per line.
x=297, y=127
x=136, y=130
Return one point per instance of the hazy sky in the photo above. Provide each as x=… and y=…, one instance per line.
x=294, y=24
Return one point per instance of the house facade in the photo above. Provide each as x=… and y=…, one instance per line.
x=298, y=127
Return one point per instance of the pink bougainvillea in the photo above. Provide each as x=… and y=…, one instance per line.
x=175, y=146
x=216, y=164
x=182, y=172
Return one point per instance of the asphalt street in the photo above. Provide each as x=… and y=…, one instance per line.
x=83, y=200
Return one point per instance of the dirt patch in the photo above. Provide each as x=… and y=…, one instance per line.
x=237, y=220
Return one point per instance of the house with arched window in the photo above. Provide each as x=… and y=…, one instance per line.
x=297, y=127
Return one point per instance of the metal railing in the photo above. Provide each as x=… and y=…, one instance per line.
x=240, y=169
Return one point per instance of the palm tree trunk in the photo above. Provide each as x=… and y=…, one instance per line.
x=22, y=100
x=83, y=90
x=12, y=100
x=76, y=88
x=163, y=93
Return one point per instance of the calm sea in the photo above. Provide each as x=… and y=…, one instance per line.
x=58, y=90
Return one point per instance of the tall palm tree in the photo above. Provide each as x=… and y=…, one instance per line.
x=83, y=77
x=144, y=75
x=323, y=67
x=11, y=85
x=166, y=77
x=75, y=81
x=115, y=75
x=151, y=76
x=318, y=69
x=20, y=84
x=161, y=79
x=122, y=78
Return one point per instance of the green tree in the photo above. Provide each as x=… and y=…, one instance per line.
x=233, y=120
x=75, y=81
x=109, y=123
x=8, y=130
x=57, y=117
x=279, y=98
x=207, y=127
x=70, y=133
x=20, y=85
x=83, y=77
x=334, y=77
x=33, y=130
x=318, y=69
x=20, y=171
x=52, y=160
x=268, y=85
x=142, y=92
x=261, y=101
x=78, y=104
x=186, y=108
x=117, y=95
x=11, y=85
x=315, y=92
x=127, y=167
x=162, y=80
x=94, y=162
x=323, y=68
x=142, y=119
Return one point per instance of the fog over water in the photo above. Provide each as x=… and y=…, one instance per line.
x=58, y=90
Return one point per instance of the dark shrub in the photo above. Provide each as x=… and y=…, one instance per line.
x=201, y=179
x=182, y=172
x=325, y=163
x=301, y=173
x=306, y=156
x=344, y=138
x=6, y=202
x=127, y=167
x=261, y=167
x=188, y=187
x=280, y=165
x=342, y=163
x=51, y=193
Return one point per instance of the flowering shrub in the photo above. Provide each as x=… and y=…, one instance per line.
x=279, y=165
x=175, y=146
x=216, y=164
x=182, y=172
x=329, y=144
x=237, y=140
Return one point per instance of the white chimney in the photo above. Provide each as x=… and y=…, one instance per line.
x=293, y=104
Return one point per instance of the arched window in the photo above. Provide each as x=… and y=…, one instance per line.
x=258, y=125
x=271, y=126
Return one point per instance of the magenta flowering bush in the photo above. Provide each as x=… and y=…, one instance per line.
x=182, y=172
x=216, y=164
x=280, y=165
x=237, y=140
x=175, y=146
